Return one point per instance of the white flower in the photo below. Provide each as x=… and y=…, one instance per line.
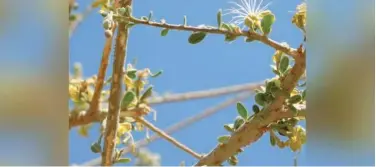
x=246, y=10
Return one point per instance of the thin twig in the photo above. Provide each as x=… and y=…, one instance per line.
x=289, y=51
x=180, y=125
x=167, y=137
x=251, y=131
x=116, y=90
x=205, y=93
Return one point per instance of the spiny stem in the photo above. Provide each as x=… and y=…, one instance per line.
x=167, y=137
x=250, y=131
x=116, y=90
x=94, y=104
x=287, y=50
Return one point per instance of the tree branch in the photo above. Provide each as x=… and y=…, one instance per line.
x=251, y=131
x=167, y=137
x=180, y=125
x=205, y=93
x=253, y=35
x=94, y=104
x=116, y=89
x=84, y=118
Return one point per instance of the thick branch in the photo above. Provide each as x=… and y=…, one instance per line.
x=116, y=91
x=251, y=131
x=213, y=30
x=94, y=104
x=167, y=137
x=180, y=125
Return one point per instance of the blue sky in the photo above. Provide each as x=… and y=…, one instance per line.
x=209, y=64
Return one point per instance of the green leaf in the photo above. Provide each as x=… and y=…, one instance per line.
x=219, y=18
x=127, y=99
x=157, y=74
x=242, y=111
x=131, y=74
x=227, y=27
x=196, y=37
x=128, y=11
x=144, y=18
x=185, y=21
x=150, y=15
x=304, y=94
x=122, y=11
x=72, y=17
x=239, y=121
x=123, y=160
x=260, y=99
x=229, y=127
x=272, y=140
x=147, y=94
x=96, y=148
x=295, y=99
x=230, y=38
x=283, y=64
x=164, y=32
x=223, y=139
x=267, y=22
x=255, y=109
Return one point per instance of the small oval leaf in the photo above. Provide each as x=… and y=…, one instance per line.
x=242, y=111
x=295, y=99
x=196, y=37
x=255, y=109
x=219, y=18
x=164, y=32
x=185, y=21
x=147, y=94
x=272, y=140
x=127, y=99
x=267, y=22
x=283, y=64
x=157, y=74
x=96, y=148
x=260, y=99
x=229, y=127
x=123, y=160
x=239, y=121
x=131, y=74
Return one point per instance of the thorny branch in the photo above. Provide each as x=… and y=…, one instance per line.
x=180, y=125
x=116, y=90
x=251, y=131
x=95, y=101
x=287, y=50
